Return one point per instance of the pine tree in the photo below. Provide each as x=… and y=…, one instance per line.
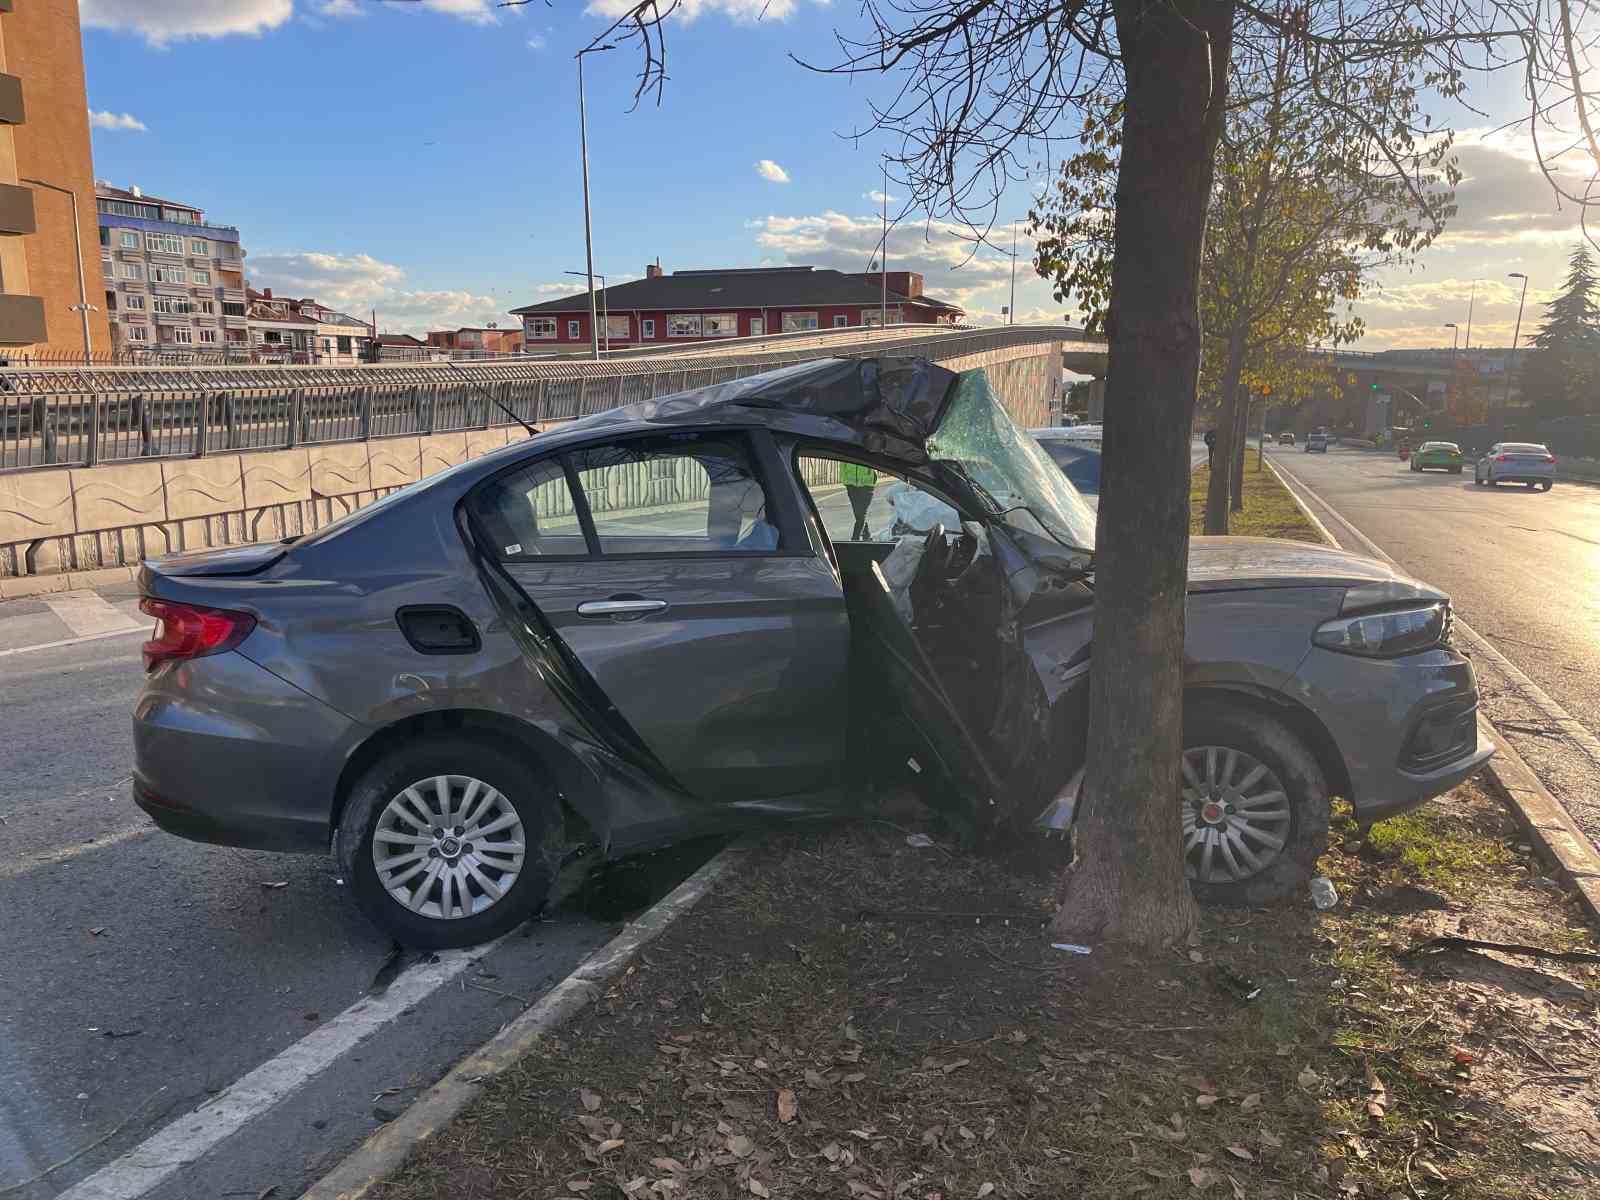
x=1562, y=370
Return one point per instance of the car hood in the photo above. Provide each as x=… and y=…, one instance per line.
x=1220, y=564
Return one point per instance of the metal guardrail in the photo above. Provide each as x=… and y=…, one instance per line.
x=86, y=415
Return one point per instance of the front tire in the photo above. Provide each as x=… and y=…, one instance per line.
x=450, y=842
x=1255, y=808
x=1455, y=470
x=1546, y=485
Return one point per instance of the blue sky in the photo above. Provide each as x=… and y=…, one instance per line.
x=421, y=158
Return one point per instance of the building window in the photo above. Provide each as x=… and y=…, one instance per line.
x=130, y=270
x=574, y=330
x=208, y=307
x=179, y=216
x=138, y=333
x=203, y=278
x=797, y=322
x=618, y=329
x=720, y=325
x=168, y=275
x=683, y=325
x=200, y=247
x=874, y=316
x=163, y=243
x=129, y=240
x=541, y=327
x=183, y=335
x=121, y=208
x=648, y=326
x=133, y=300
x=208, y=337
x=231, y=308
x=344, y=343
x=840, y=321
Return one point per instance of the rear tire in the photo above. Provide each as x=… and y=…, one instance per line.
x=1455, y=470
x=526, y=809
x=1547, y=485
x=1531, y=484
x=1290, y=769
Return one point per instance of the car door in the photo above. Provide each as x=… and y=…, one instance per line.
x=675, y=569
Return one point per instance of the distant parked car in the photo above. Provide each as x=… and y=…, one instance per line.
x=1286, y=438
x=1516, y=462
x=1078, y=459
x=1437, y=456
x=1318, y=441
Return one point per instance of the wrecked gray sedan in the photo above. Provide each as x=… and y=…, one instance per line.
x=722, y=607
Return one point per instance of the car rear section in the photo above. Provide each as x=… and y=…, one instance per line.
x=1534, y=466
x=225, y=750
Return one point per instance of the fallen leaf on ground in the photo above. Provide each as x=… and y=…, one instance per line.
x=814, y=1079
x=985, y=1190
x=590, y=1100
x=1463, y=1058
x=956, y=1065
x=1205, y=1101
x=740, y=1146
x=757, y=1188
x=1308, y=1079
x=1252, y=1101
x=1269, y=1139
x=1204, y=1177
x=1540, y=1147
x=788, y=1106
x=1377, y=1094
x=667, y=1164
x=830, y=1152
x=1431, y=1171
x=1242, y=1153
x=610, y=1144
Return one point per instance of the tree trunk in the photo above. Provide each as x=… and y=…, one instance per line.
x=1128, y=883
x=1241, y=438
x=1221, y=484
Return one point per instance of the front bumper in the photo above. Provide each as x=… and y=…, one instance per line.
x=1406, y=728
x=227, y=752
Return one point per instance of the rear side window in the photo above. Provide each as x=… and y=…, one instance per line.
x=530, y=513
x=676, y=494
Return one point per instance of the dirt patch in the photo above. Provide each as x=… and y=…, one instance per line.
x=856, y=1017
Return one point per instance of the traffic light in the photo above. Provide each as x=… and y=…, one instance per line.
x=1374, y=387
x=1427, y=422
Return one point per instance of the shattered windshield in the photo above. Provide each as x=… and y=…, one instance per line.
x=1008, y=467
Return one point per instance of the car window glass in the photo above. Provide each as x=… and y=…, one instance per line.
x=529, y=512
x=1080, y=464
x=677, y=494
x=860, y=504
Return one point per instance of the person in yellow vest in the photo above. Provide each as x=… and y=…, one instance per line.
x=859, y=483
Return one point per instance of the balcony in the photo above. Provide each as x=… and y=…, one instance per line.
x=11, y=108
x=171, y=318
x=16, y=209
x=21, y=320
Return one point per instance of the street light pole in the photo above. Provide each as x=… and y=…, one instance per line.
x=1518, y=331
x=83, y=307
x=1454, y=343
x=883, y=258
x=588, y=231
x=1472, y=298
x=605, y=300
x=1011, y=312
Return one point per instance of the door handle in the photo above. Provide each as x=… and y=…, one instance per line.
x=620, y=606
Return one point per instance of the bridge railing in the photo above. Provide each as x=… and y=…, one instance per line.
x=83, y=415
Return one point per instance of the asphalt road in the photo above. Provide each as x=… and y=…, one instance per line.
x=142, y=975
x=1521, y=567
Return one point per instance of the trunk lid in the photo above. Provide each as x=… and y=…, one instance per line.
x=221, y=560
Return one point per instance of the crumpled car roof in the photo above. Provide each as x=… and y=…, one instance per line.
x=888, y=405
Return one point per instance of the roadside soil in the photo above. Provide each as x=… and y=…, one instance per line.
x=856, y=1016
x=1269, y=509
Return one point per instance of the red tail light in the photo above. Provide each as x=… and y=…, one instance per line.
x=190, y=631
x=1502, y=458
x=1549, y=458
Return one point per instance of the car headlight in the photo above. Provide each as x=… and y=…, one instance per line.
x=1387, y=634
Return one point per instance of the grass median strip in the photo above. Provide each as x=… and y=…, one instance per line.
x=809, y=1031
x=1269, y=509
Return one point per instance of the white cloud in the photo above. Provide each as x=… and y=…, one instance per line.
x=163, y=21
x=536, y=42
x=878, y=197
x=341, y=8
x=358, y=283
x=111, y=120
x=475, y=12
x=771, y=171
x=744, y=11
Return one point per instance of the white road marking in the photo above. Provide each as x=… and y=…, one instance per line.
x=76, y=641
x=11, y=870
x=88, y=614
x=183, y=1141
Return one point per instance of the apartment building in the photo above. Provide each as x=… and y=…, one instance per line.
x=287, y=330
x=46, y=181
x=478, y=339
x=174, y=283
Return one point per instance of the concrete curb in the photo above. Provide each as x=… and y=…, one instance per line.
x=1550, y=828
x=387, y=1148
x=1322, y=530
